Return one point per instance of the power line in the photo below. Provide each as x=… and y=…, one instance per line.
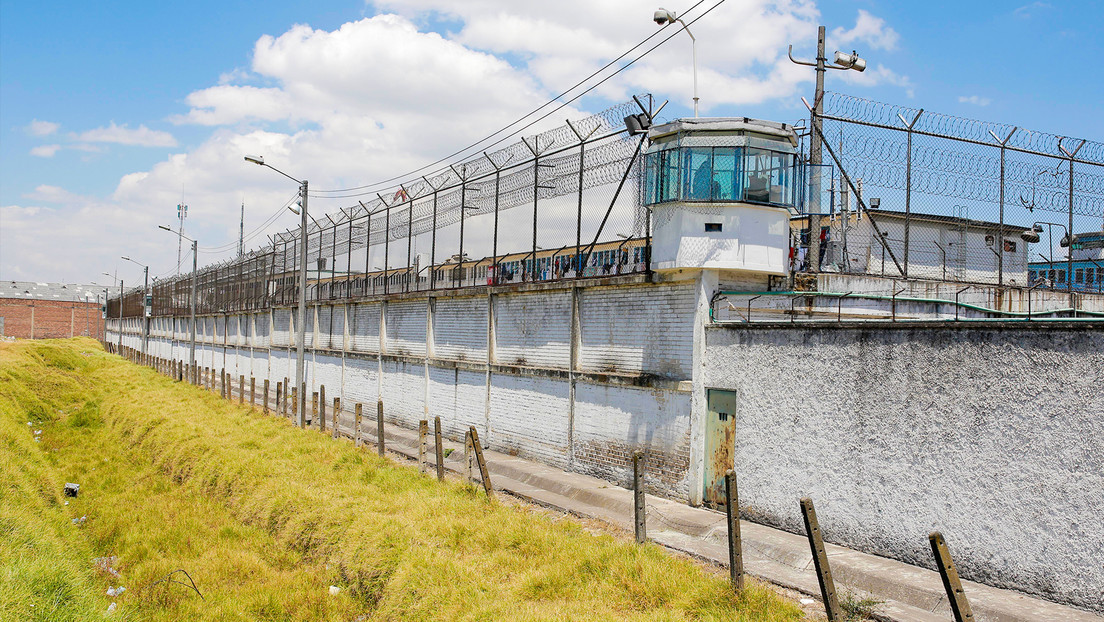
x=376, y=185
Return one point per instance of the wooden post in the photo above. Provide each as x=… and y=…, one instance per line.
x=280, y=405
x=469, y=458
x=222, y=383
x=820, y=562
x=314, y=407
x=358, y=411
x=735, y=545
x=440, y=450
x=294, y=403
x=321, y=408
x=336, y=415
x=638, y=498
x=478, y=449
x=423, y=432
x=252, y=390
x=241, y=388
x=379, y=426
x=960, y=607
x=264, y=397
x=303, y=404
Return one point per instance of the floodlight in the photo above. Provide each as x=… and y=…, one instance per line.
x=1030, y=236
x=255, y=159
x=850, y=61
x=1037, y=228
x=1067, y=240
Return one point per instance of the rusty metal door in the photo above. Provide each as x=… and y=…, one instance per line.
x=720, y=443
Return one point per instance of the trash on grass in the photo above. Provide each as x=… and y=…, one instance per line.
x=334, y=590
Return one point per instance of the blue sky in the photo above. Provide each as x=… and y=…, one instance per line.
x=110, y=112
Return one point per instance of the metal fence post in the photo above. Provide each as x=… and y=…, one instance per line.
x=735, y=544
x=379, y=426
x=640, y=521
x=960, y=607
x=820, y=561
x=439, y=449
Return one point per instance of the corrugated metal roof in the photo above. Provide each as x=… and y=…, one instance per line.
x=29, y=290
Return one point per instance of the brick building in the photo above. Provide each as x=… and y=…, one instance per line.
x=50, y=310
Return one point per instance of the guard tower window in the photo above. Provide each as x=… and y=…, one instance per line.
x=712, y=226
x=705, y=174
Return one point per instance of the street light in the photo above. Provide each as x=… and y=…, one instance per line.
x=147, y=304
x=192, y=321
x=663, y=17
x=302, y=328
x=843, y=62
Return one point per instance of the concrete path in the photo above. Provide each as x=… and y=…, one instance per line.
x=908, y=593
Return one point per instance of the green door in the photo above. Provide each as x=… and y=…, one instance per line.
x=720, y=443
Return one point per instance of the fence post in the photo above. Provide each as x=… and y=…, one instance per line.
x=469, y=458
x=295, y=403
x=735, y=544
x=379, y=426
x=960, y=607
x=314, y=407
x=336, y=415
x=252, y=390
x=478, y=449
x=223, y=389
x=321, y=408
x=241, y=388
x=264, y=405
x=820, y=561
x=358, y=411
x=423, y=432
x=440, y=450
x=640, y=524
x=280, y=394
x=303, y=404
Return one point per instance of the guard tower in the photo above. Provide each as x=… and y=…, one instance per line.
x=721, y=191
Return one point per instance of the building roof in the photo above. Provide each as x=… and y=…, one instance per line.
x=29, y=290
x=781, y=131
x=981, y=224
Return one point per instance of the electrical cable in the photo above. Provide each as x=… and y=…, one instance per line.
x=207, y=250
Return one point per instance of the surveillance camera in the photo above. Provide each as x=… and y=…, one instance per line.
x=662, y=16
x=850, y=61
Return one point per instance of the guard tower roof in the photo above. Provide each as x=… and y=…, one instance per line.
x=735, y=125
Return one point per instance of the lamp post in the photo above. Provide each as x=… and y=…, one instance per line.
x=663, y=17
x=301, y=332
x=192, y=320
x=842, y=62
x=145, y=308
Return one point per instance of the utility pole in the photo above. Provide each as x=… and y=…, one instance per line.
x=181, y=214
x=302, y=328
x=241, y=231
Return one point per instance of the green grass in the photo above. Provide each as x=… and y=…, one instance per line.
x=265, y=517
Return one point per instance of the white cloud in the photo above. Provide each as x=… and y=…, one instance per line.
x=869, y=29
x=141, y=136
x=235, y=75
x=1028, y=11
x=42, y=128
x=976, y=100
x=54, y=194
x=877, y=75
x=45, y=151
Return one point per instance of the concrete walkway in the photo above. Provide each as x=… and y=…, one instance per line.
x=908, y=593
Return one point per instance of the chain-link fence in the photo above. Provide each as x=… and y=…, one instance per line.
x=907, y=192
x=558, y=205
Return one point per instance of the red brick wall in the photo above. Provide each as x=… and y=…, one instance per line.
x=50, y=319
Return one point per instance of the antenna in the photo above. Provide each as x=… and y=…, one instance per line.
x=181, y=215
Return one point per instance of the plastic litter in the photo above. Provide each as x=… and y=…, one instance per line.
x=807, y=601
x=71, y=490
x=115, y=591
x=111, y=608
x=80, y=521
x=334, y=590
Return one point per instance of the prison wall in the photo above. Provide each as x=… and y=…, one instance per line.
x=575, y=376
x=990, y=435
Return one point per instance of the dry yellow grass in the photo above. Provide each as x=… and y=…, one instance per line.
x=265, y=517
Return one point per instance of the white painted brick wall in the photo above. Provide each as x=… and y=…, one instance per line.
x=406, y=327
x=362, y=385
x=326, y=372
x=325, y=336
x=281, y=331
x=533, y=329
x=364, y=332
x=611, y=422
x=403, y=391
x=460, y=329
x=638, y=329
x=529, y=417
x=458, y=397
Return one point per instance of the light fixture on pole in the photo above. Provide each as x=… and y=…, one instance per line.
x=120, y=327
x=842, y=62
x=192, y=321
x=663, y=17
x=302, y=328
x=147, y=305
x=1031, y=236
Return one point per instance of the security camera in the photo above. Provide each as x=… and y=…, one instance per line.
x=662, y=16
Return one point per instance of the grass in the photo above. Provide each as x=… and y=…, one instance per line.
x=265, y=517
